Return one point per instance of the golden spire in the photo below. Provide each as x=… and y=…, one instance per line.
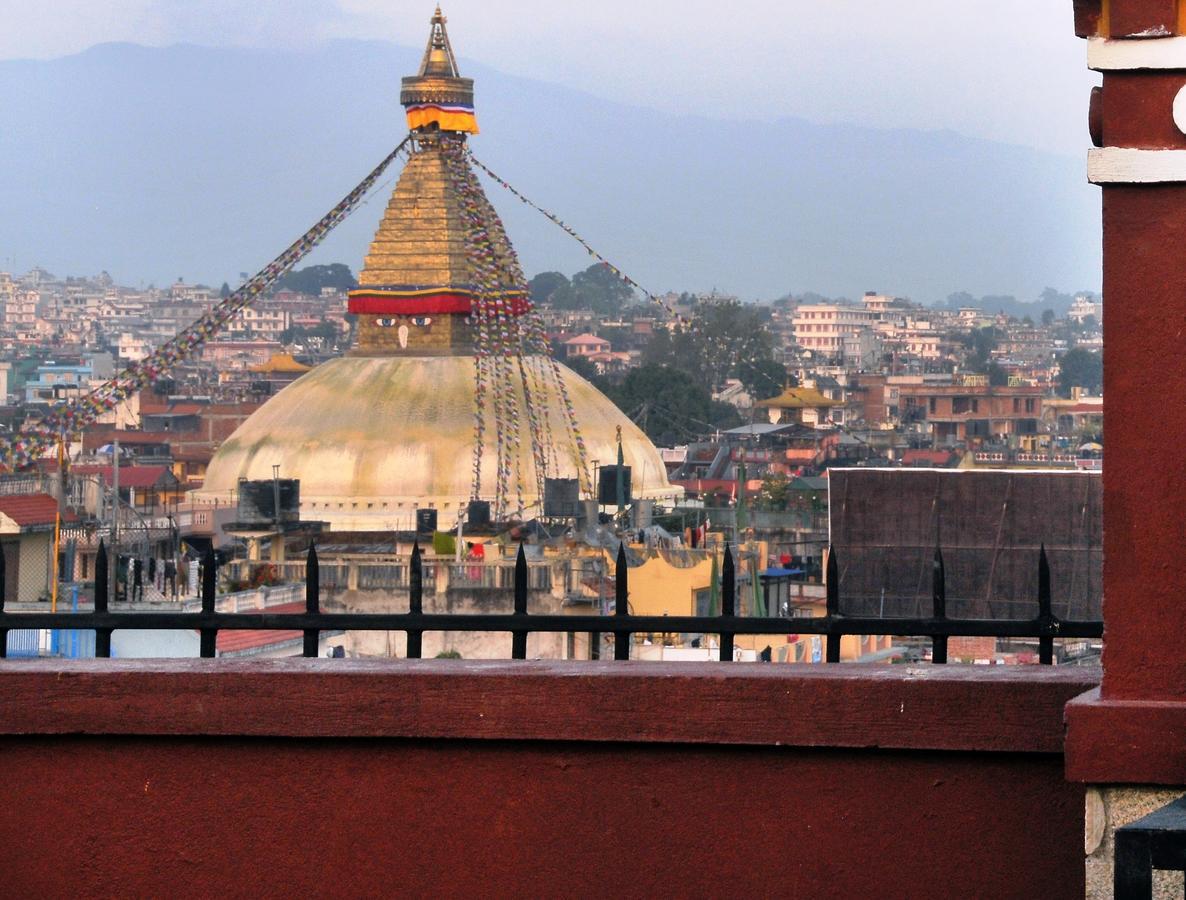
x=437, y=98
x=438, y=55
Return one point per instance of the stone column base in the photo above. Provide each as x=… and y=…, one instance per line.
x=1109, y=807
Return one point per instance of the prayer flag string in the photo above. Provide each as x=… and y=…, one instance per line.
x=571, y=232
x=68, y=420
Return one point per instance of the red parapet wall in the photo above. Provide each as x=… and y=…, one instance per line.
x=587, y=779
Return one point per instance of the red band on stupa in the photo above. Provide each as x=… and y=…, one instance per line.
x=417, y=303
x=432, y=304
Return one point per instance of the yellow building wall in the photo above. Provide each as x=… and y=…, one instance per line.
x=33, y=569
x=658, y=588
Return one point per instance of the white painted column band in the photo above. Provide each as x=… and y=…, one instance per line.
x=1123, y=165
x=1106, y=55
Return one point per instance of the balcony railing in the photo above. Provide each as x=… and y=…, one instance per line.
x=1044, y=626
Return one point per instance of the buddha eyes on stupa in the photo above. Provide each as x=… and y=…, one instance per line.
x=389, y=322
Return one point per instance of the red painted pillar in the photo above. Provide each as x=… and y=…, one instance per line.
x=1140, y=164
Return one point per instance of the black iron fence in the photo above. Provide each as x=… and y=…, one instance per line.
x=1044, y=626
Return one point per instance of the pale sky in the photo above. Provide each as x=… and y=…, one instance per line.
x=1008, y=70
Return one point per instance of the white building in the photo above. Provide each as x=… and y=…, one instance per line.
x=1083, y=306
x=823, y=327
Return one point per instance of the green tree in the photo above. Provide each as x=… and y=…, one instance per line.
x=311, y=279
x=724, y=337
x=724, y=415
x=762, y=378
x=1047, y=317
x=980, y=343
x=997, y=376
x=775, y=493
x=619, y=337
x=1056, y=299
x=670, y=405
x=599, y=289
x=583, y=367
x=544, y=286
x=1080, y=368
x=660, y=349
x=224, y=291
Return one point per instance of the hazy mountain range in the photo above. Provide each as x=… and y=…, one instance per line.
x=203, y=163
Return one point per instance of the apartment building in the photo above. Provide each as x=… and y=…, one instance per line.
x=823, y=327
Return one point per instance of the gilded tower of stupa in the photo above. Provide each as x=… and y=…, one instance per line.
x=416, y=292
x=390, y=427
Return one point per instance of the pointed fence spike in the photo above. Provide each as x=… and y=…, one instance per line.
x=1046, y=620
x=519, y=638
x=621, y=593
x=312, y=600
x=209, y=636
x=102, y=583
x=1043, y=582
x=209, y=580
x=832, y=582
x=728, y=601
x=622, y=639
x=521, y=581
x=832, y=651
x=415, y=601
x=939, y=605
x=728, y=583
x=102, y=593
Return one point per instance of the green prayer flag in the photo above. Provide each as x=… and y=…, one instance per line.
x=759, y=604
x=444, y=543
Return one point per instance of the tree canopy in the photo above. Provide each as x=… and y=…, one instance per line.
x=1080, y=368
x=596, y=288
x=544, y=286
x=980, y=343
x=997, y=376
x=670, y=405
x=725, y=339
x=311, y=279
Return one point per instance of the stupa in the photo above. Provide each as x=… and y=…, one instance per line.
x=430, y=408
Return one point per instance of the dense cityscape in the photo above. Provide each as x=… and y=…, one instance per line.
x=750, y=404
x=400, y=567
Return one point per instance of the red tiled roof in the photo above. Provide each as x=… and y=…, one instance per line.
x=238, y=641
x=586, y=339
x=29, y=509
